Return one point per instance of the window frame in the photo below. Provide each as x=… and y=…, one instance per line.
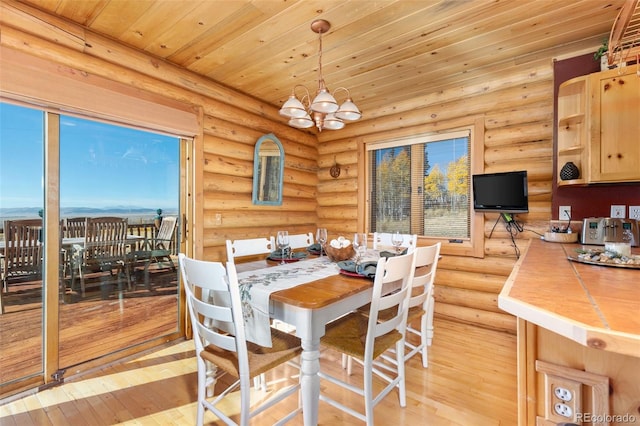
x=472, y=247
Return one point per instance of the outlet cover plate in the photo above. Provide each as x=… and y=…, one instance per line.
x=634, y=212
x=564, y=213
x=618, y=211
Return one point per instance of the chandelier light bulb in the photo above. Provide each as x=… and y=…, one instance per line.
x=331, y=122
x=293, y=108
x=348, y=111
x=324, y=102
x=301, y=122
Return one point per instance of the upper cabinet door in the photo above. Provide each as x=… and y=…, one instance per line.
x=615, y=126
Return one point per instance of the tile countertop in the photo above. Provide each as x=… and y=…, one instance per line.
x=596, y=306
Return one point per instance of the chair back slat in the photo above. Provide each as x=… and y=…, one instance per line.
x=220, y=317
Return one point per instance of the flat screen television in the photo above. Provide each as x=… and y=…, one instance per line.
x=501, y=192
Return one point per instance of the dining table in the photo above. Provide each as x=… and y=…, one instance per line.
x=307, y=295
x=68, y=242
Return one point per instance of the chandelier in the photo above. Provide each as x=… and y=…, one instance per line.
x=323, y=108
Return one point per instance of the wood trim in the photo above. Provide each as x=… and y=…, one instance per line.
x=474, y=247
x=51, y=273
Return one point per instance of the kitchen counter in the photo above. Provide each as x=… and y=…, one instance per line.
x=596, y=306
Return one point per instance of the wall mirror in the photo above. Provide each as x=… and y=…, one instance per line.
x=268, y=170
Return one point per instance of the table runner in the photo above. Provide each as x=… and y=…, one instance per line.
x=256, y=288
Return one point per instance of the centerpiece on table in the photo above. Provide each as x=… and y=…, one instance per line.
x=340, y=249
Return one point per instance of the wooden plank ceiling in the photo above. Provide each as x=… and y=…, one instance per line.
x=382, y=51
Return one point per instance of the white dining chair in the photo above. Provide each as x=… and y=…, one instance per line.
x=225, y=347
x=382, y=241
x=297, y=241
x=249, y=247
x=421, y=303
x=421, y=306
x=366, y=337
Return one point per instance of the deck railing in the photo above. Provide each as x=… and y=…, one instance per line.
x=147, y=230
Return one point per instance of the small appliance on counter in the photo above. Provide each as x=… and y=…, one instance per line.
x=601, y=230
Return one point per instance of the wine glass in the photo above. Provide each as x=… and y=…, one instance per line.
x=283, y=243
x=397, y=239
x=321, y=237
x=360, y=244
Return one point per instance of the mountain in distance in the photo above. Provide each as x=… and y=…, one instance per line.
x=120, y=211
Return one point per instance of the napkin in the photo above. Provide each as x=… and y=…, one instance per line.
x=287, y=254
x=314, y=248
x=388, y=254
x=368, y=269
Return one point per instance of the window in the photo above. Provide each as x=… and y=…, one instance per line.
x=422, y=185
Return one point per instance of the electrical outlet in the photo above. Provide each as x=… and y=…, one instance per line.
x=218, y=219
x=563, y=410
x=563, y=393
x=564, y=396
x=618, y=211
x=564, y=213
x=634, y=212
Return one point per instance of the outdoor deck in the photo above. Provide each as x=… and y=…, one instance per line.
x=126, y=317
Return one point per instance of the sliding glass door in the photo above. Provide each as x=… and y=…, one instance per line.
x=116, y=293
x=104, y=203
x=21, y=242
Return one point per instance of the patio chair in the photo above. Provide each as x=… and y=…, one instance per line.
x=223, y=348
x=158, y=248
x=23, y=251
x=74, y=227
x=365, y=338
x=104, y=248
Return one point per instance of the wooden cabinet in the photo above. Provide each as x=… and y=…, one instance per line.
x=599, y=127
x=615, y=126
x=572, y=128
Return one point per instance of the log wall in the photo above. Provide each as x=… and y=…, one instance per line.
x=517, y=107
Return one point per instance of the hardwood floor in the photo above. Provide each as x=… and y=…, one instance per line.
x=471, y=380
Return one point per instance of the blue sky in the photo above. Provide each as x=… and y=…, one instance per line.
x=101, y=165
